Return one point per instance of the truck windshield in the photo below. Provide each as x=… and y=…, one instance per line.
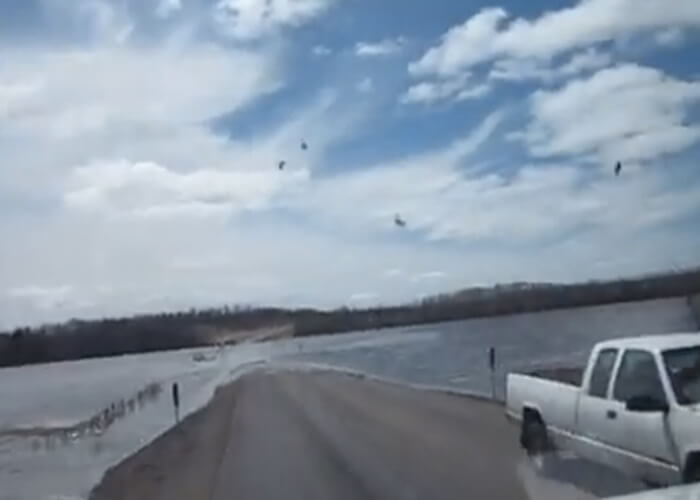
x=683, y=367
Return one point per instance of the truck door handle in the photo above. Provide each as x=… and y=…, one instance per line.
x=611, y=414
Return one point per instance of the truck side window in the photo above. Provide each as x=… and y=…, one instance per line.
x=602, y=370
x=638, y=376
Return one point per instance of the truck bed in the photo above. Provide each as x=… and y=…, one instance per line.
x=552, y=392
x=565, y=375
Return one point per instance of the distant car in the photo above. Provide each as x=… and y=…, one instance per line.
x=200, y=357
x=635, y=407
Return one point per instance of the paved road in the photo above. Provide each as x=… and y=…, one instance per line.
x=322, y=436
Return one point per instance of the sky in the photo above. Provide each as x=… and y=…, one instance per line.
x=140, y=142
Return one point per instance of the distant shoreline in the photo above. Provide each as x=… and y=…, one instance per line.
x=197, y=328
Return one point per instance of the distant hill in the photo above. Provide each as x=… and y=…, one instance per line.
x=108, y=337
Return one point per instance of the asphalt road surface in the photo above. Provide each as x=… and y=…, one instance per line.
x=321, y=436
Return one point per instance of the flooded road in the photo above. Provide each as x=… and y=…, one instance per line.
x=315, y=436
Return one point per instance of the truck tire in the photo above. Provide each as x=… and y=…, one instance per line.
x=535, y=440
x=691, y=474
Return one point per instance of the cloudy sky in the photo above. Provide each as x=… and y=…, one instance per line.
x=140, y=140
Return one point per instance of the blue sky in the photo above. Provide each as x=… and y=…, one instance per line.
x=140, y=141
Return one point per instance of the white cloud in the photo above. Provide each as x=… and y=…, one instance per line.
x=84, y=91
x=462, y=46
x=124, y=34
x=453, y=88
x=393, y=272
x=429, y=276
x=628, y=112
x=520, y=69
x=166, y=8
x=365, y=86
x=670, y=37
x=109, y=103
x=321, y=50
x=450, y=206
x=589, y=59
x=384, y=47
x=149, y=189
x=477, y=41
x=39, y=291
x=474, y=92
x=100, y=21
x=487, y=35
x=428, y=92
x=443, y=199
x=536, y=69
x=42, y=297
x=252, y=19
x=363, y=298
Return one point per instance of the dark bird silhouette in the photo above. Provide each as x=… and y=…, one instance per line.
x=304, y=146
x=281, y=165
x=618, y=168
x=399, y=221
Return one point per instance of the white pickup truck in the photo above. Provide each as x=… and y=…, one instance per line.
x=635, y=407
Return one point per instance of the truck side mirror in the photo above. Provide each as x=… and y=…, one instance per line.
x=646, y=404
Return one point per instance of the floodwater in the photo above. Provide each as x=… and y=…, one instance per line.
x=456, y=354
x=47, y=451
x=62, y=425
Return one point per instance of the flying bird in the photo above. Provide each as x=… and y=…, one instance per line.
x=304, y=146
x=618, y=168
x=399, y=221
x=281, y=165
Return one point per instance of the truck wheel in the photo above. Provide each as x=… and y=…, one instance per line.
x=692, y=470
x=536, y=442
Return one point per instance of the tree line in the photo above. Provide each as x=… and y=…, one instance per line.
x=108, y=337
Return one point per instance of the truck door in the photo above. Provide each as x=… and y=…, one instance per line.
x=592, y=420
x=642, y=433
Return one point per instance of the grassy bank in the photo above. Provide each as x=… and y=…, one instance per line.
x=108, y=337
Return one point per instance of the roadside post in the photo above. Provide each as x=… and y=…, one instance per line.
x=176, y=401
x=492, y=368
